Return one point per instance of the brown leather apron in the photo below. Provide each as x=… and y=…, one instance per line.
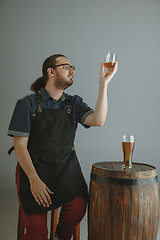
x=51, y=147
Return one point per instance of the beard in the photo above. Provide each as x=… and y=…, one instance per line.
x=62, y=83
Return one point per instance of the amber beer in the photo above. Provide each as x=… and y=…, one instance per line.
x=128, y=144
x=109, y=65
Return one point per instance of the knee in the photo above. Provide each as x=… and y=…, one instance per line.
x=79, y=204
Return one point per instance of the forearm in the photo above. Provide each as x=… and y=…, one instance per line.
x=24, y=158
x=38, y=188
x=100, y=112
x=99, y=116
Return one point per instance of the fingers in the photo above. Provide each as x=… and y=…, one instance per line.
x=36, y=199
x=102, y=66
x=47, y=196
x=49, y=191
x=111, y=70
x=105, y=77
x=115, y=67
x=43, y=198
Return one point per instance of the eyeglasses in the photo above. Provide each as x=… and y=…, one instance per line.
x=66, y=66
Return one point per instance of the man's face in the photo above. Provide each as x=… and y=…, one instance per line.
x=63, y=77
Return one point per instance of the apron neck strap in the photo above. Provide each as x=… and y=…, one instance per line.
x=38, y=98
x=38, y=101
x=68, y=105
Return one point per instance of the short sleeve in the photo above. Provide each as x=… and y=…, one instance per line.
x=20, y=123
x=82, y=110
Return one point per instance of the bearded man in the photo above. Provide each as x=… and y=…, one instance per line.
x=43, y=125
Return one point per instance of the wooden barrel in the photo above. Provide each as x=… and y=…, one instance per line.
x=123, y=205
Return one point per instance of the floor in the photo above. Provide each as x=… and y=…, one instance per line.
x=8, y=218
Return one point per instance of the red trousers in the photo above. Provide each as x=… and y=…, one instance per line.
x=70, y=216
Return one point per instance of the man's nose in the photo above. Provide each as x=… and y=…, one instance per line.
x=71, y=70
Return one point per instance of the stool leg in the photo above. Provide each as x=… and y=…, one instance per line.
x=76, y=235
x=21, y=226
x=54, y=216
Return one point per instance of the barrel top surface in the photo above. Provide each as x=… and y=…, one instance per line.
x=116, y=168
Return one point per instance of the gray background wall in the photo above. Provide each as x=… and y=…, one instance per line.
x=85, y=31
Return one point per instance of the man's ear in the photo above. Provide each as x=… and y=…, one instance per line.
x=50, y=71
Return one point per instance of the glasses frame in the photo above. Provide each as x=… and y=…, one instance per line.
x=63, y=64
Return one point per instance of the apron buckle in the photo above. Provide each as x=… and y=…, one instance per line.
x=68, y=109
x=39, y=108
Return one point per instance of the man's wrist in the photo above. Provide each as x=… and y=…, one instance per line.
x=33, y=176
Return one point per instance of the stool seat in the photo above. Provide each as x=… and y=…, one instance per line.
x=53, y=226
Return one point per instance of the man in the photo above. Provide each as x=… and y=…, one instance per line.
x=43, y=125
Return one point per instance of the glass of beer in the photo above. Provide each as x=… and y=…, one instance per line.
x=110, y=60
x=128, y=142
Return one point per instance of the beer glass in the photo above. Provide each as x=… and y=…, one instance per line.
x=110, y=60
x=128, y=143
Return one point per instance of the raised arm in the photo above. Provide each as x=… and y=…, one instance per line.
x=38, y=188
x=99, y=116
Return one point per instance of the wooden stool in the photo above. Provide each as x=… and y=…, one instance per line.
x=54, y=216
